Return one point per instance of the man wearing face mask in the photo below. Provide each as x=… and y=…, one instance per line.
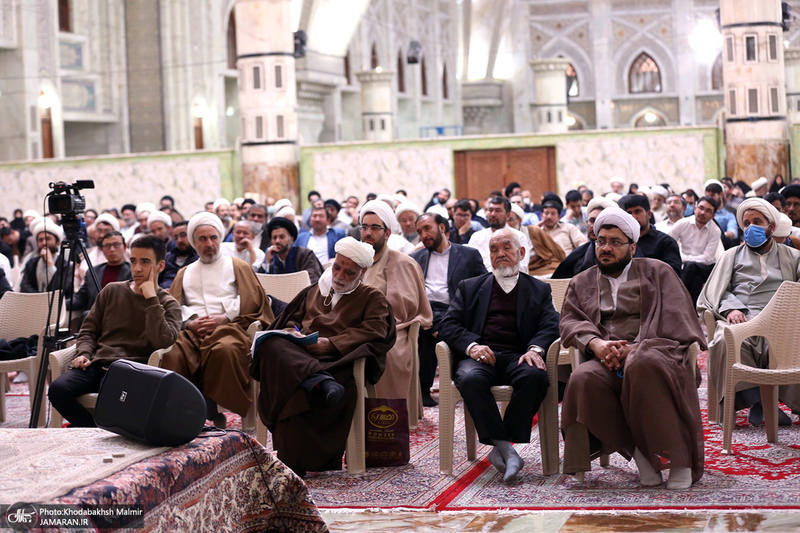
x=740, y=286
x=308, y=393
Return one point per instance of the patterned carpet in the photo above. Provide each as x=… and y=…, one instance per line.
x=758, y=476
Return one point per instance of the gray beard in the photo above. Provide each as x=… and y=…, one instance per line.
x=209, y=261
x=506, y=271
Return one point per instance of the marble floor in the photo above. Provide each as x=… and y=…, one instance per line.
x=560, y=521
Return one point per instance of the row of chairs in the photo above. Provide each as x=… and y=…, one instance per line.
x=21, y=314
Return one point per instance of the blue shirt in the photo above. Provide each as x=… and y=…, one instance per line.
x=727, y=221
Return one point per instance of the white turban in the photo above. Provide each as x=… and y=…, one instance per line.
x=45, y=224
x=400, y=198
x=218, y=202
x=31, y=213
x=387, y=198
x=159, y=216
x=406, y=206
x=600, y=203
x=712, y=182
x=145, y=207
x=661, y=191
x=760, y=182
x=784, y=226
x=360, y=253
x=759, y=204
x=615, y=216
x=238, y=200
x=204, y=218
x=616, y=179
x=517, y=210
x=648, y=192
x=286, y=211
x=382, y=210
x=108, y=218
x=613, y=196
x=283, y=202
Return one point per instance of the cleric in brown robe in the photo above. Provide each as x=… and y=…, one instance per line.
x=308, y=394
x=220, y=297
x=636, y=393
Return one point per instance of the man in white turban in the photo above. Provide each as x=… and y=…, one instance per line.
x=636, y=391
x=760, y=187
x=160, y=224
x=407, y=213
x=220, y=297
x=308, y=394
x=400, y=278
x=740, y=286
x=43, y=269
x=143, y=211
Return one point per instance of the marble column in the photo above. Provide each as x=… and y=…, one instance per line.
x=550, y=78
x=756, y=129
x=792, y=64
x=377, y=118
x=267, y=98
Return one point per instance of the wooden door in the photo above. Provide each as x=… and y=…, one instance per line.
x=480, y=172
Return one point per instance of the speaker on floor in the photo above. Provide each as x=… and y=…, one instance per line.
x=149, y=404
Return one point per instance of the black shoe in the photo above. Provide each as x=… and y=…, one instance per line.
x=783, y=418
x=428, y=401
x=330, y=393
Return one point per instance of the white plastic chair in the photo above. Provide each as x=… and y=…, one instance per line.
x=779, y=323
x=567, y=356
x=449, y=397
x=713, y=399
x=284, y=287
x=23, y=315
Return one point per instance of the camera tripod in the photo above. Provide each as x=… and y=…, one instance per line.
x=69, y=249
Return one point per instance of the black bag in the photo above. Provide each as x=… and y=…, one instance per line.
x=387, y=441
x=19, y=348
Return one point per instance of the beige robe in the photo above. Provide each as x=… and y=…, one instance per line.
x=218, y=363
x=755, y=350
x=546, y=254
x=400, y=278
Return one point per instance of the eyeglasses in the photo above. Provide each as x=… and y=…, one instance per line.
x=600, y=243
x=112, y=245
x=372, y=227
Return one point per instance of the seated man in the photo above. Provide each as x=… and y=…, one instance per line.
x=444, y=265
x=652, y=243
x=321, y=239
x=220, y=298
x=740, y=286
x=129, y=320
x=115, y=268
x=636, y=392
x=308, y=394
x=181, y=255
x=43, y=271
x=547, y=255
x=699, y=239
x=242, y=245
x=499, y=327
x=283, y=257
x=566, y=235
x=400, y=279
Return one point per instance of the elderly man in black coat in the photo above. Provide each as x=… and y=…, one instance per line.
x=499, y=327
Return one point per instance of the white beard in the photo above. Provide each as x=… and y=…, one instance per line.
x=506, y=271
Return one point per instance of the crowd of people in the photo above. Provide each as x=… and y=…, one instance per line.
x=643, y=263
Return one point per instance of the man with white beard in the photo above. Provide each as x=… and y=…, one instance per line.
x=499, y=327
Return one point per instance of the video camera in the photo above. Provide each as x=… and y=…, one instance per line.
x=63, y=202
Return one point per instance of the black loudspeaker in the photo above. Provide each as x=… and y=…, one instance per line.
x=149, y=404
x=414, y=53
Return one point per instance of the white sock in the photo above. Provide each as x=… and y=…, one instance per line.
x=680, y=478
x=647, y=474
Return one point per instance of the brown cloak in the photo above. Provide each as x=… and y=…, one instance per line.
x=217, y=363
x=662, y=410
x=546, y=254
x=361, y=326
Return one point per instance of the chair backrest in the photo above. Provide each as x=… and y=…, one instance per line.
x=284, y=286
x=23, y=314
x=559, y=288
x=780, y=324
